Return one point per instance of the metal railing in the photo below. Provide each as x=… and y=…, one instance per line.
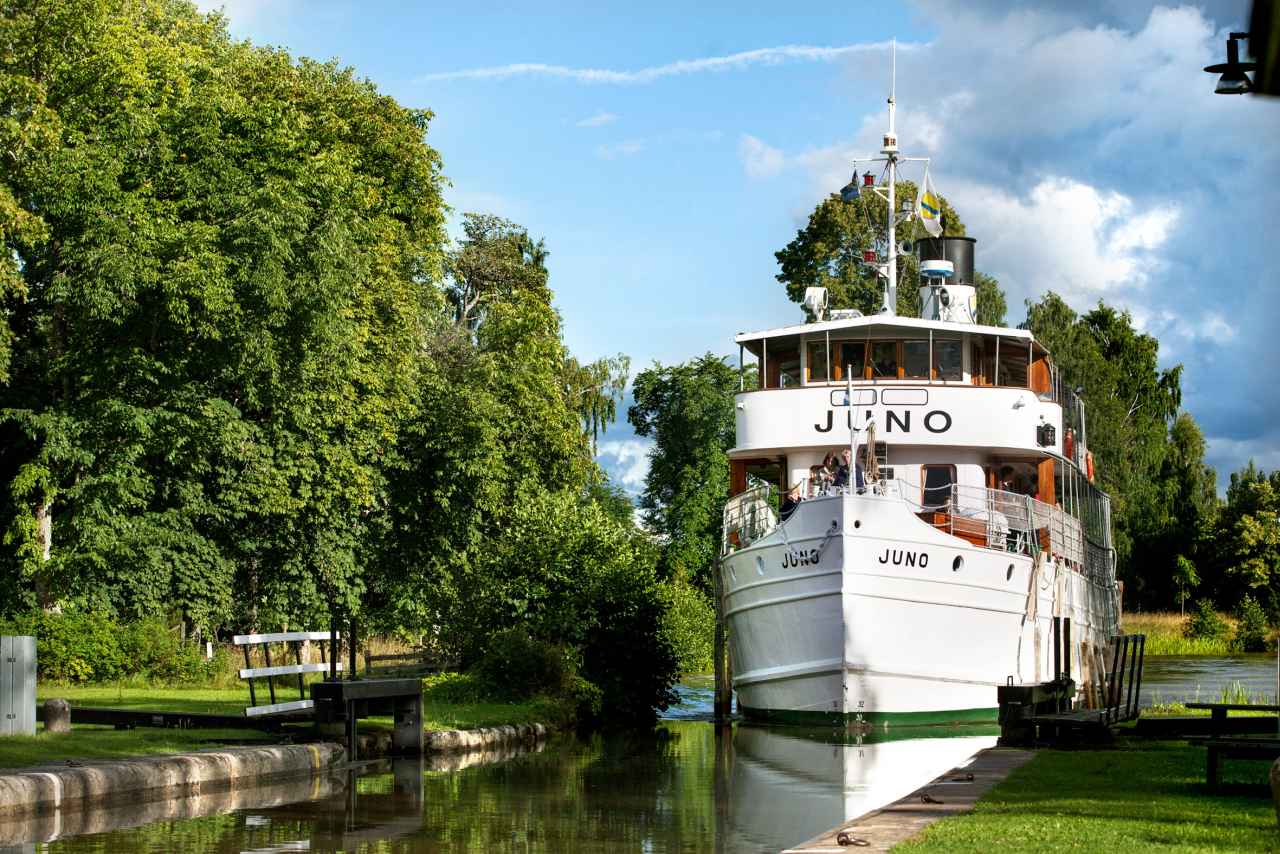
x=1005, y=521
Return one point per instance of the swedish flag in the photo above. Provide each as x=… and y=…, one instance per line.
x=929, y=206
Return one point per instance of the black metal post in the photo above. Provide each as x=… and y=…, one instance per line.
x=297, y=656
x=253, y=700
x=271, y=682
x=1113, y=686
x=1128, y=703
x=1066, y=647
x=334, y=654
x=1057, y=648
x=1142, y=654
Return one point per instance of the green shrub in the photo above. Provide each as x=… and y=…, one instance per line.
x=517, y=666
x=1251, y=627
x=1204, y=622
x=690, y=625
x=156, y=652
x=73, y=647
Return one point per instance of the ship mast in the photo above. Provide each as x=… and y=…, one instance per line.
x=888, y=268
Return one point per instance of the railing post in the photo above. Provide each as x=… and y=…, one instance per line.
x=723, y=689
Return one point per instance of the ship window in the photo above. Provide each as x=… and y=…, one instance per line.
x=915, y=359
x=817, y=368
x=884, y=359
x=984, y=360
x=782, y=368
x=947, y=361
x=936, y=492
x=850, y=355
x=1014, y=362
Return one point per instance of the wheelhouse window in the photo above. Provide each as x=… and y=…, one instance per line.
x=884, y=359
x=983, y=356
x=948, y=359
x=851, y=356
x=1014, y=362
x=817, y=368
x=937, y=481
x=782, y=367
x=915, y=359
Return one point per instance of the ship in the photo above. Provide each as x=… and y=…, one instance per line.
x=913, y=503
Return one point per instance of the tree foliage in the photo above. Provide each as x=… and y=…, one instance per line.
x=687, y=410
x=827, y=253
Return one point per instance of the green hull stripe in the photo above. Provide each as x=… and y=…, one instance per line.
x=874, y=719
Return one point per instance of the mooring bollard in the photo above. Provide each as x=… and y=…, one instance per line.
x=57, y=716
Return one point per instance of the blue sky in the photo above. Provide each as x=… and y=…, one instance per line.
x=665, y=152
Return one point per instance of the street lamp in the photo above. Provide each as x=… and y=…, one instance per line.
x=1233, y=81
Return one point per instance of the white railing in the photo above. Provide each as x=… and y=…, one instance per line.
x=748, y=516
x=1005, y=521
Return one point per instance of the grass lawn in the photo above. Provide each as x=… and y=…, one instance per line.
x=1144, y=796
x=93, y=742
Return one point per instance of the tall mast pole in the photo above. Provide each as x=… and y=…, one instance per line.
x=890, y=151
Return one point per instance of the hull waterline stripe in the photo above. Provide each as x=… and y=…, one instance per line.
x=777, y=674
x=818, y=669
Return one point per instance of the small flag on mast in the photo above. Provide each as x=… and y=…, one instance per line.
x=929, y=206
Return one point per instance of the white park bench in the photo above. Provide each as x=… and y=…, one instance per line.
x=271, y=672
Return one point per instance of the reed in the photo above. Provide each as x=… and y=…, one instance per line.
x=1165, y=634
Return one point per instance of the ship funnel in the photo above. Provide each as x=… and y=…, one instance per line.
x=947, y=287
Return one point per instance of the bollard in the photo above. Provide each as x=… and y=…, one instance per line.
x=57, y=716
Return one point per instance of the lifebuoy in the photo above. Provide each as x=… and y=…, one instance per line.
x=1069, y=444
x=1088, y=464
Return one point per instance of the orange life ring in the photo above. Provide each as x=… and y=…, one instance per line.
x=1069, y=444
x=1088, y=464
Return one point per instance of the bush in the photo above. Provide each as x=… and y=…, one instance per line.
x=690, y=625
x=1251, y=627
x=518, y=666
x=1204, y=622
x=84, y=647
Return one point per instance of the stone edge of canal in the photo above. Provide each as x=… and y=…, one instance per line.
x=37, y=791
x=949, y=794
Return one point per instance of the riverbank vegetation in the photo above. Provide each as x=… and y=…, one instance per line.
x=247, y=382
x=1140, y=797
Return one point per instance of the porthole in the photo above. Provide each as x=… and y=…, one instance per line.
x=759, y=565
x=1008, y=573
x=957, y=564
x=857, y=523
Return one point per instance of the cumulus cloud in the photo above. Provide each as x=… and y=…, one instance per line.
x=598, y=120
x=626, y=148
x=731, y=62
x=760, y=159
x=626, y=461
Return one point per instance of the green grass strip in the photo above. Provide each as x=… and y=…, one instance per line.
x=1142, y=796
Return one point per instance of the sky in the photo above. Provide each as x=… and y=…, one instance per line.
x=665, y=151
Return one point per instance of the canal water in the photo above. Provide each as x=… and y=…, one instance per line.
x=679, y=788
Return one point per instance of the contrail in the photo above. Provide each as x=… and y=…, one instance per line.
x=731, y=62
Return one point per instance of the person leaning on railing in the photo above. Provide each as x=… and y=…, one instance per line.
x=842, y=472
x=790, y=502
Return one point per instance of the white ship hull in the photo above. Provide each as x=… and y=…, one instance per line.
x=857, y=608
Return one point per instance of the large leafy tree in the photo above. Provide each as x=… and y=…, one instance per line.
x=1130, y=405
x=1247, y=538
x=687, y=410
x=225, y=256
x=827, y=253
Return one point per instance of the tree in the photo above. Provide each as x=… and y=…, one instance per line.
x=1248, y=538
x=495, y=260
x=227, y=257
x=595, y=390
x=827, y=253
x=1130, y=404
x=688, y=410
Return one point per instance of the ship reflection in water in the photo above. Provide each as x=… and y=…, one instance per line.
x=678, y=788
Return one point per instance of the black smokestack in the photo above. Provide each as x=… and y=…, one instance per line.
x=957, y=250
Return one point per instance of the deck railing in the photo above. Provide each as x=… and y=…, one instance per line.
x=998, y=519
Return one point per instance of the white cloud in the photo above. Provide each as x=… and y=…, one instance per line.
x=626, y=148
x=626, y=461
x=760, y=159
x=244, y=12
x=600, y=119
x=731, y=62
x=1066, y=236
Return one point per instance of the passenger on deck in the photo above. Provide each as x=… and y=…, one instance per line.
x=790, y=502
x=842, y=473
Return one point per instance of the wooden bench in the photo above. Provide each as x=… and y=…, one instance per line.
x=971, y=530
x=1221, y=746
x=294, y=642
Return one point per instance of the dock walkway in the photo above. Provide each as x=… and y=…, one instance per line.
x=953, y=793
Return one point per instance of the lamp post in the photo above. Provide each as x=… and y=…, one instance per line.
x=1233, y=81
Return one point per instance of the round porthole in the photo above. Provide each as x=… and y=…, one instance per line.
x=857, y=523
x=760, y=565
x=1008, y=573
x=957, y=564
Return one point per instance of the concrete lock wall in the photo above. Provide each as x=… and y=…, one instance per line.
x=17, y=685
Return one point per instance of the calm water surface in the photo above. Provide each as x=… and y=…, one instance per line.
x=678, y=788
